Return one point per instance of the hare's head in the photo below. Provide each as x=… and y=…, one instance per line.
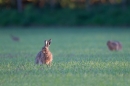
x=109, y=42
x=46, y=46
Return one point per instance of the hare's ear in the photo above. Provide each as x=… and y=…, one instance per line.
x=45, y=42
x=49, y=41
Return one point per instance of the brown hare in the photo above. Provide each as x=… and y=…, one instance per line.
x=114, y=45
x=45, y=56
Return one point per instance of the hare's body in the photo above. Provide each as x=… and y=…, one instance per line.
x=114, y=45
x=47, y=57
x=44, y=56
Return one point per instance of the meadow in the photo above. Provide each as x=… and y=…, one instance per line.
x=80, y=57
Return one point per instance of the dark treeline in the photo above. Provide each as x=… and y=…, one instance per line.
x=53, y=4
x=58, y=12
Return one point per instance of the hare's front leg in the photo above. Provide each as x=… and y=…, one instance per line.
x=49, y=64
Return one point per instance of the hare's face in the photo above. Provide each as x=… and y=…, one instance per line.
x=45, y=49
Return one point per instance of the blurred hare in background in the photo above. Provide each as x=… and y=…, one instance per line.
x=14, y=38
x=114, y=45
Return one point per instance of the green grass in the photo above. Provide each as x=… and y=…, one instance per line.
x=81, y=57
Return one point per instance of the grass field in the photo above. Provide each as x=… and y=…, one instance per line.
x=81, y=57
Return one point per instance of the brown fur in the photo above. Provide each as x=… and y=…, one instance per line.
x=114, y=45
x=45, y=56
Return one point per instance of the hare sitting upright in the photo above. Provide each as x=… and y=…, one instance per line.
x=114, y=45
x=44, y=56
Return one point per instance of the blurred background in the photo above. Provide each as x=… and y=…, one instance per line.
x=64, y=12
